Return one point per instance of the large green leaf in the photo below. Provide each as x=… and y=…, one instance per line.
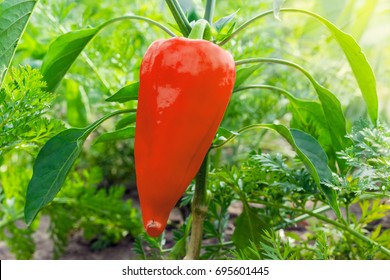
x=357, y=60
x=62, y=53
x=53, y=164
x=120, y=134
x=310, y=153
x=14, y=16
x=125, y=94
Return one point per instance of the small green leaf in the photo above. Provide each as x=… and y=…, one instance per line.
x=243, y=74
x=249, y=226
x=127, y=93
x=121, y=134
x=62, y=53
x=222, y=22
x=222, y=135
x=14, y=17
x=277, y=6
x=125, y=121
x=53, y=164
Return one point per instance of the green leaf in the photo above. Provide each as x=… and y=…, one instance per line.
x=53, y=164
x=222, y=135
x=62, y=53
x=249, y=226
x=14, y=17
x=316, y=155
x=51, y=167
x=127, y=93
x=277, y=6
x=243, y=74
x=121, y=134
x=222, y=22
x=358, y=62
x=125, y=121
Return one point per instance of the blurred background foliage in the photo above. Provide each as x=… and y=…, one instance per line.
x=112, y=60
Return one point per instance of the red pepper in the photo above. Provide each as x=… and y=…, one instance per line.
x=185, y=87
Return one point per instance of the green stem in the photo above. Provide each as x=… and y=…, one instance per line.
x=209, y=12
x=332, y=222
x=244, y=25
x=148, y=20
x=201, y=30
x=277, y=61
x=179, y=17
x=199, y=211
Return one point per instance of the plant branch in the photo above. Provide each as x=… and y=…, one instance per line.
x=209, y=11
x=199, y=210
x=179, y=17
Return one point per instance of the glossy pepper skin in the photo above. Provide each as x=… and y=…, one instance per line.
x=185, y=87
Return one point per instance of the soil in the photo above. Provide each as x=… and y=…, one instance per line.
x=79, y=249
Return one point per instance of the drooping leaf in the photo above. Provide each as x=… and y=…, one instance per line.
x=314, y=152
x=120, y=134
x=14, y=17
x=53, y=164
x=127, y=93
x=358, y=62
x=333, y=115
x=249, y=227
x=62, y=53
x=51, y=167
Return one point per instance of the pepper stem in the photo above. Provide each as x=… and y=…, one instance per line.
x=200, y=30
x=199, y=211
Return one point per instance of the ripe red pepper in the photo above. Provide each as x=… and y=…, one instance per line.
x=185, y=87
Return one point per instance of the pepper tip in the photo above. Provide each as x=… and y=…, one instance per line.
x=154, y=229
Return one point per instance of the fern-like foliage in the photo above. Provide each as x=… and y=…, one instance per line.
x=23, y=103
x=368, y=159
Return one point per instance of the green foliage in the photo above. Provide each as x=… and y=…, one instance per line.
x=290, y=194
x=23, y=103
x=14, y=16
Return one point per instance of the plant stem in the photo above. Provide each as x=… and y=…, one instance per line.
x=200, y=30
x=209, y=12
x=332, y=222
x=199, y=210
x=179, y=16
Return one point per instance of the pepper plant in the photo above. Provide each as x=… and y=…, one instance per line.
x=185, y=85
